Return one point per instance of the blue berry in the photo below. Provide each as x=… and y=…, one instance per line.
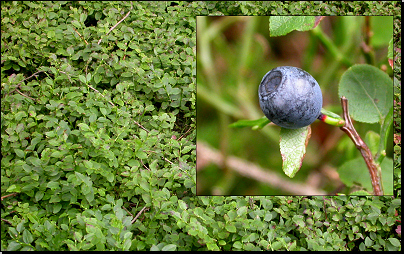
x=290, y=97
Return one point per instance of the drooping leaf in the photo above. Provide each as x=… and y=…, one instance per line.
x=293, y=144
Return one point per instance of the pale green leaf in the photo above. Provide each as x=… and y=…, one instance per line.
x=293, y=148
x=282, y=25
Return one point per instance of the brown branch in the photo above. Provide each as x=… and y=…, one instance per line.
x=127, y=210
x=206, y=154
x=141, y=126
x=7, y=221
x=184, y=134
x=18, y=91
x=81, y=36
x=144, y=165
x=349, y=129
x=9, y=195
x=138, y=214
x=110, y=102
x=19, y=85
x=112, y=28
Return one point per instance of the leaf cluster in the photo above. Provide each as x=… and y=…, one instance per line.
x=98, y=140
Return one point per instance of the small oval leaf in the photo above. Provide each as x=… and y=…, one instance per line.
x=293, y=148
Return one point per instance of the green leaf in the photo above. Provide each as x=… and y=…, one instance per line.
x=14, y=188
x=70, y=50
x=254, y=124
x=360, y=193
x=39, y=195
x=237, y=245
x=242, y=211
x=84, y=127
x=395, y=242
x=88, y=77
x=332, y=118
x=57, y=154
x=141, y=155
x=83, y=79
x=382, y=30
x=20, y=115
x=372, y=140
x=282, y=25
x=182, y=204
x=384, y=131
x=53, y=185
x=120, y=88
x=97, y=78
x=212, y=246
x=169, y=247
x=369, y=91
x=13, y=246
x=356, y=172
x=231, y=228
x=27, y=237
x=20, y=153
x=76, y=24
x=293, y=148
x=390, y=54
x=57, y=207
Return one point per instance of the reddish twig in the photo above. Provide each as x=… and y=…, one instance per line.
x=349, y=129
x=81, y=36
x=9, y=195
x=7, y=221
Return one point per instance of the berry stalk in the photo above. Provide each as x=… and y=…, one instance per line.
x=331, y=118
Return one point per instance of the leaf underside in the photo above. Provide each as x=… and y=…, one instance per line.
x=293, y=148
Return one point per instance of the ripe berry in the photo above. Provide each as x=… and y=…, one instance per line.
x=290, y=97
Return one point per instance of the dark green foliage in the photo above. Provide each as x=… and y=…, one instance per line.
x=98, y=139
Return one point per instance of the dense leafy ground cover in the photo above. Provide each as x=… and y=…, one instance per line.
x=98, y=138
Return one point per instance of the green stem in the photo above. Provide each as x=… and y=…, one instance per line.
x=331, y=47
x=330, y=118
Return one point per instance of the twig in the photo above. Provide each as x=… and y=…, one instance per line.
x=6, y=221
x=250, y=170
x=127, y=210
x=18, y=91
x=138, y=124
x=110, y=102
x=144, y=165
x=19, y=84
x=138, y=214
x=81, y=36
x=184, y=134
x=112, y=28
x=32, y=75
x=68, y=76
x=9, y=195
x=171, y=162
x=349, y=129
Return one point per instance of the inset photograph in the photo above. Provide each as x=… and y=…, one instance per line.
x=294, y=105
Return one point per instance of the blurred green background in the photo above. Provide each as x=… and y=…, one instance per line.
x=233, y=54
